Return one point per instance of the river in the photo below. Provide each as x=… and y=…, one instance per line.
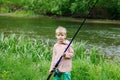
x=105, y=37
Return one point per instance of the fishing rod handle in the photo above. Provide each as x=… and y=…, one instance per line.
x=48, y=78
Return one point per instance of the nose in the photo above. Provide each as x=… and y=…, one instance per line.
x=60, y=36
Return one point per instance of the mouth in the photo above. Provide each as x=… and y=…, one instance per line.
x=60, y=39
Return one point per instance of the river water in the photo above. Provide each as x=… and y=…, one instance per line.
x=105, y=37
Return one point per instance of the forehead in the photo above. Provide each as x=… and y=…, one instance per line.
x=60, y=33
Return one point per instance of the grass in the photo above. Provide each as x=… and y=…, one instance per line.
x=23, y=58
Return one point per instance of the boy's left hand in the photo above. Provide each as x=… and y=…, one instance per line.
x=63, y=55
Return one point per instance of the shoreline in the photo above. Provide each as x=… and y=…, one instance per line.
x=70, y=19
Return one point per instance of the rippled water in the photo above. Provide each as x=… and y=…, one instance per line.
x=104, y=36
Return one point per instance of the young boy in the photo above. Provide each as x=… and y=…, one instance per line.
x=65, y=65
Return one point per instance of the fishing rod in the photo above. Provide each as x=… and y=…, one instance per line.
x=72, y=39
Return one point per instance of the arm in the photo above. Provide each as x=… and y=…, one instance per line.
x=53, y=60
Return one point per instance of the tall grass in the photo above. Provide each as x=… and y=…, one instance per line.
x=23, y=58
x=24, y=47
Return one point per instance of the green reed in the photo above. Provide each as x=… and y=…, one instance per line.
x=25, y=58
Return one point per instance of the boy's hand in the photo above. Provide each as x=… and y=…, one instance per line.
x=50, y=72
x=63, y=55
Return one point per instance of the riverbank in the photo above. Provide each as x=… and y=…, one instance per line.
x=68, y=19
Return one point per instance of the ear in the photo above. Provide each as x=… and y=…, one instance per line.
x=65, y=35
x=56, y=35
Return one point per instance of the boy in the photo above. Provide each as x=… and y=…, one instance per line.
x=65, y=65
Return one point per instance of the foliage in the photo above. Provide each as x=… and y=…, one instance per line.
x=76, y=8
x=79, y=7
x=23, y=58
x=80, y=49
x=24, y=47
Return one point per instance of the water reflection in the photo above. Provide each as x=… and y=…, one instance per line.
x=105, y=37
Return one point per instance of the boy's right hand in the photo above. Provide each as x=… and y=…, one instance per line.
x=50, y=72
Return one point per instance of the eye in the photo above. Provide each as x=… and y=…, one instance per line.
x=62, y=35
x=58, y=35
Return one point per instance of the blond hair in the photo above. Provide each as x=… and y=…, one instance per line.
x=61, y=29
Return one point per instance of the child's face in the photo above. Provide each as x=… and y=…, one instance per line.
x=60, y=36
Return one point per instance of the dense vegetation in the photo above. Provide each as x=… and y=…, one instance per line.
x=75, y=8
x=23, y=58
